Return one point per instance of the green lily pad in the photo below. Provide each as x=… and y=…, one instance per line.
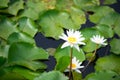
x=115, y=46
x=109, y=1
x=99, y=13
x=27, y=26
x=4, y=3
x=7, y=27
x=86, y=3
x=15, y=6
x=102, y=29
x=63, y=63
x=25, y=54
x=111, y=19
x=64, y=4
x=103, y=75
x=53, y=75
x=17, y=73
x=4, y=51
x=20, y=37
x=89, y=33
x=49, y=25
x=110, y=62
x=2, y=61
x=66, y=52
x=76, y=76
x=36, y=8
x=78, y=16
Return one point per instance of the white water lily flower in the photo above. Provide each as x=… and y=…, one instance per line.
x=98, y=40
x=73, y=39
x=75, y=65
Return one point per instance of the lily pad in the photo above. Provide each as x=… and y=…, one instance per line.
x=115, y=46
x=103, y=75
x=4, y=3
x=15, y=6
x=27, y=26
x=7, y=27
x=110, y=62
x=102, y=29
x=25, y=54
x=53, y=75
x=66, y=52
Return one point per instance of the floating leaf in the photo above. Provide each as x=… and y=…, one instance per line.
x=2, y=60
x=4, y=3
x=27, y=26
x=17, y=73
x=78, y=16
x=116, y=26
x=7, y=27
x=102, y=29
x=27, y=74
x=20, y=37
x=49, y=25
x=86, y=3
x=110, y=62
x=88, y=33
x=109, y=1
x=89, y=47
x=76, y=76
x=36, y=8
x=33, y=9
x=115, y=46
x=99, y=13
x=111, y=19
x=53, y=75
x=89, y=56
x=102, y=75
x=4, y=51
x=7, y=74
x=66, y=52
x=60, y=4
x=25, y=54
x=63, y=63
x=15, y=6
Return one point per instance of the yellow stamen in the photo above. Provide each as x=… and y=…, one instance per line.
x=73, y=65
x=72, y=39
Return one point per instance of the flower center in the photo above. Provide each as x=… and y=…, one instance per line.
x=73, y=65
x=72, y=39
x=98, y=41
